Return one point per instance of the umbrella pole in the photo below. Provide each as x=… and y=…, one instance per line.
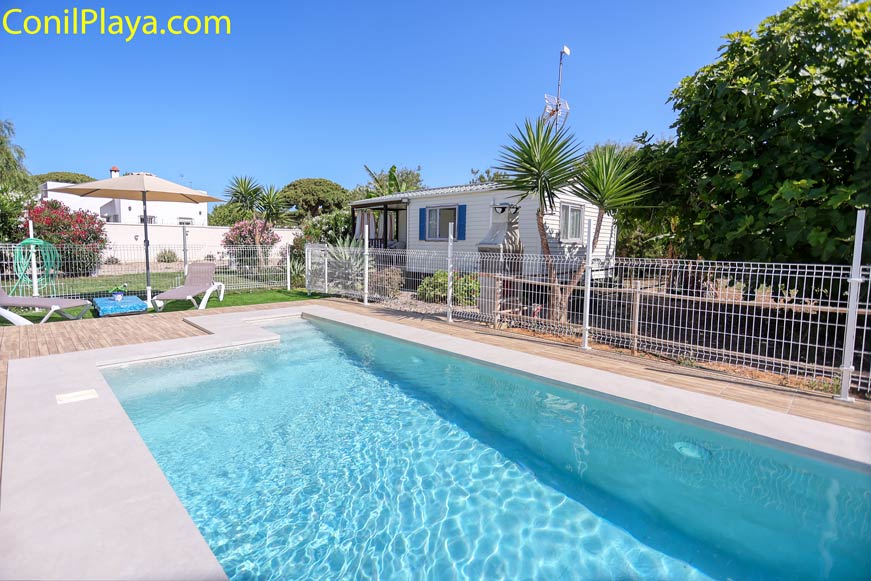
x=147, y=264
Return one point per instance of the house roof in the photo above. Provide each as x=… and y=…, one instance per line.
x=426, y=193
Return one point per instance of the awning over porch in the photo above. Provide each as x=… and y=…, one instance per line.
x=386, y=220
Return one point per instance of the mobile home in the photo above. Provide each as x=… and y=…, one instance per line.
x=419, y=221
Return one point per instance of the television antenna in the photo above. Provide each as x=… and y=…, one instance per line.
x=555, y=108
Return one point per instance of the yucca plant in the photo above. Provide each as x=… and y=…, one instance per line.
x=541, y=159
x=609, y=177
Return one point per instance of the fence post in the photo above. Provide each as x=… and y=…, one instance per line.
x=855, y=281
x=588, y=283
x=636, y=312
x=34, y=273
x=184, y=246
x=326, y=266
x=287, y=264
x=366, y=263
x=308, y=269
x=450, y=272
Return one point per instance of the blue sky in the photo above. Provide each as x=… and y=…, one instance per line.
x=317, y=89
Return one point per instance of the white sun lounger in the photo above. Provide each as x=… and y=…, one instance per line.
x=51, y=304
x=200, y=280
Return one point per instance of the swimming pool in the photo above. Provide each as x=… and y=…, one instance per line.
x=339, y=453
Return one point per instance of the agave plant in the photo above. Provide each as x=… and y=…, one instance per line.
x=345, y=263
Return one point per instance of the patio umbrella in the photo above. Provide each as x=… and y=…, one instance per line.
x=139, y=186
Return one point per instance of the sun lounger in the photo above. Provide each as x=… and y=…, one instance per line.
x=51, y=304
x=200, y=280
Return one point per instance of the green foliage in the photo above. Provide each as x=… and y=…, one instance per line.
x=245, y=192
x=649, y=230
x=227, y=214
x=17, y=186
x=80, y=235
x=541, y=159
x=345, y=259
x=315, y=196
x=328, y=228
x=392, y=181
x=166, y=255
x=486, y=176
x=434, y=288
x=66, y=177
x=773, y=149
x=609, y=177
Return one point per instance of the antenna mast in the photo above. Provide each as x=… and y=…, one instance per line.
x=556, y=108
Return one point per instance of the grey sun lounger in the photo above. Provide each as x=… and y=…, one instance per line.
x=200, y=280
x=51, y=304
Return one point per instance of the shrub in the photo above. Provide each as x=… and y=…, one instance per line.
x=167, y=255
x=242, y=235
x=209, y=258
x=434, y=288
x=328, y=228
x=112, y=260
x=387, y=283
x=297, y=272
x=80, y=236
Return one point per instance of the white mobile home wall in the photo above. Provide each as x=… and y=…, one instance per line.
x=478, y=208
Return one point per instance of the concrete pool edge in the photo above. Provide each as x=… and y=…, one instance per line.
x=86, y=499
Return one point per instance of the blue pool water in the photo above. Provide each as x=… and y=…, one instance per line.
x=342, y=454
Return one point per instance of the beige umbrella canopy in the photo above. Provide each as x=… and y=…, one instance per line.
x=139, y=186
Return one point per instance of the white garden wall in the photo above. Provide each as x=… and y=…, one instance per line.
x=201, y=240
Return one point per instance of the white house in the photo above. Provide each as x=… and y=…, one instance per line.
x=420, y=221
x=128, y=211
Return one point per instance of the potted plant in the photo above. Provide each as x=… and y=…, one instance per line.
x=118, y=292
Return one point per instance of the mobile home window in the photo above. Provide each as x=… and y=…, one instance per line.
x=571, y=223
x=438, y=220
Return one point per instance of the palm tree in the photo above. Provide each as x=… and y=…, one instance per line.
x=271, y=205
x=608, y=177
x=245, y=191
x=264, y=203
x=540, y=160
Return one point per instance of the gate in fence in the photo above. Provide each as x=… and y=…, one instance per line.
x=799, y=325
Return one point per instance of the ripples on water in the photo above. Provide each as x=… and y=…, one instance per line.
x=339, y=454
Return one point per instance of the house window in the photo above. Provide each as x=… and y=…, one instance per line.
x=185, y=221
x=142, y=219
x=571, y=223
x=438, y=220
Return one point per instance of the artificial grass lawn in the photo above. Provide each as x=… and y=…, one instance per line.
x=160, y=281
x=231, y=299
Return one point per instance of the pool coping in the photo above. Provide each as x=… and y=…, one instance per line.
x=86, y=499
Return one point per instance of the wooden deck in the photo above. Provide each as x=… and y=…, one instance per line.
x=69, y=336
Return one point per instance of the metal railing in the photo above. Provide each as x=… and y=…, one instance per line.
x=86, y=271
x=779, y=323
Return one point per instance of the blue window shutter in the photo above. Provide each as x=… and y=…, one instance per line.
x=461, y=222
x=422, y=225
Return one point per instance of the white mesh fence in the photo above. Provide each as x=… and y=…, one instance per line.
x=82, y=271
x=779, y=323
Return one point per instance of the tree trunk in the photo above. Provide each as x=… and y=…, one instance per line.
x=256, y=240
x=566, y=293
x=554, y=287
